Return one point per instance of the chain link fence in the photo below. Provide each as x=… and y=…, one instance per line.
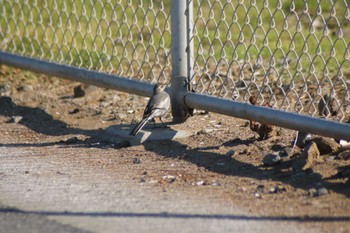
x=292, y=54
x=126, y=38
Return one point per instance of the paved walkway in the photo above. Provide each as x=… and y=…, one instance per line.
x=53, y=191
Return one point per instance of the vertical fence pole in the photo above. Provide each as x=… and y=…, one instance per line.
x=179, y=49
x=190, y=41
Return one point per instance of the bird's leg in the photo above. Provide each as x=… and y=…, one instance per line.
x=154, y=123
x=164, y=125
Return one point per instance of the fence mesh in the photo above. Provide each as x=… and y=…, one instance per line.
x=292, y=54
x=127, y=38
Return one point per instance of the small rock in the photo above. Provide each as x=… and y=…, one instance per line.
x=78, y=91
x=278, y=189
x=5, y=89
x=169, y=178
x=321, y=192
x=71, y=140
x=287, y=152
x=122, y=144
x=344, y=144
x=328, y=105
x=136, y=160
x=241, y=84
x=271, y=159
x=201, y=183
x=142, y=179
x=259, y=191
x=326, y=145
x=230, y=153
x=16, y=119
x=307, y=159
x=110, y=117
x=244, y=151
x=344, y=155
x=73, y=111
x=311, y=153
x=312, y=192
x=25, y=88
x=257, y=195
x=215, y=183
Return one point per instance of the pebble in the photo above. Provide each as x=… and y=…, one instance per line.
x=259, y=191
x=321, y=192
x=73, y=111
x=317, y=192
x=344, y=144
x=78, y=91
x=271, y=159
x=230, y=153
x=308, y=158
x=328, y=105
x=245, y=151
x=5, y=89
x=287, y=152
x=241, y=84
x=201, y=183
x=25, y=88
x=71, y=140
x=215, y=183
x=278, y=189
x=169, y=178
x=136, y=160
x=16, y=119
x=311, y=192
x=326, y=145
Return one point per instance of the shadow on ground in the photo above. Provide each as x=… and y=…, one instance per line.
x=41, y=122
x=232, y=167
x=180, y=216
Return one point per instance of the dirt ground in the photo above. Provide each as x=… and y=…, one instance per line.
x=222, y=156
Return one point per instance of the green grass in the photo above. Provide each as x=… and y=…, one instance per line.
x=133, y=37
x=102, y=35
x=274, y=32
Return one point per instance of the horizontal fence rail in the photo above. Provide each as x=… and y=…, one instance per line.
x=293, y=55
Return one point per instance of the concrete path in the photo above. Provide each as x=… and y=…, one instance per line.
x=53, y=191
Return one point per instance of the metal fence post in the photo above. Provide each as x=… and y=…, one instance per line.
x=180, y=50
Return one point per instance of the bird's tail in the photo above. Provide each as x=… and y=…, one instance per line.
x=139, y=126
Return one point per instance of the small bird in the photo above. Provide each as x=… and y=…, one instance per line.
x=264, y=130
x=158, y=105
x=327, y=105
